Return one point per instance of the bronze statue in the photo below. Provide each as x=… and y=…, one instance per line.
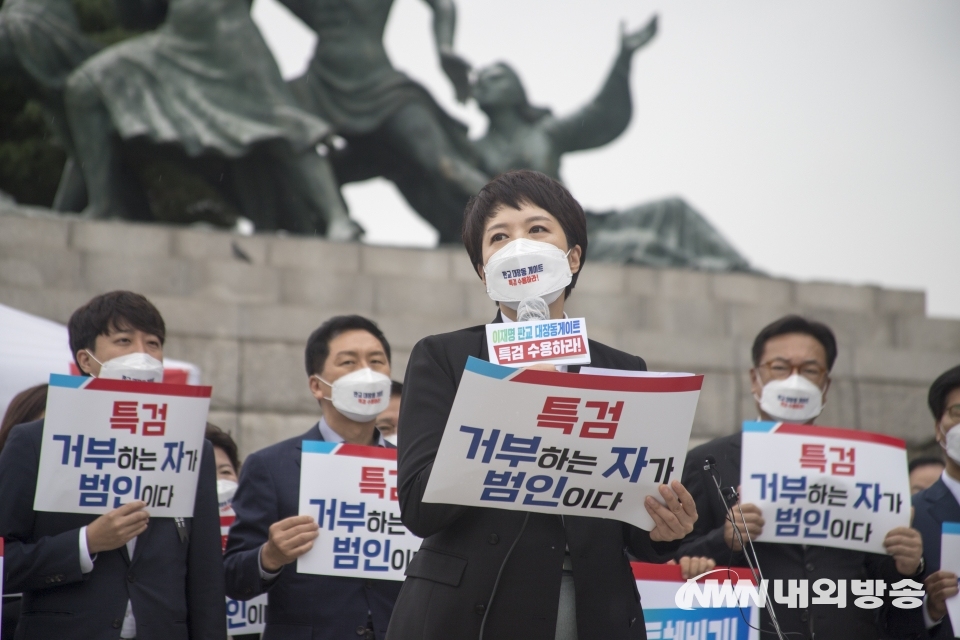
x=392, y=126
x=41, y=40
x=206, y=83
x=522, y=136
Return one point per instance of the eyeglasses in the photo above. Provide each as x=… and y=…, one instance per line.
x=781, y=369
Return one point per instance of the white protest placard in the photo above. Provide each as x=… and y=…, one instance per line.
x=351, y=491
x=711, y=614
x=824, y=485
x=247, y=616
x=520, y=344
x=109, y=442
x=950, y=561
x=563, y=443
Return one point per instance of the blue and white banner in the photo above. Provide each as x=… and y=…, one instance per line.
x=824, y=485
x=351, y=491
x=563, y=443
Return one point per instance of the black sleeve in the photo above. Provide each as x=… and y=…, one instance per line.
x=428, y=392
x=207, y=609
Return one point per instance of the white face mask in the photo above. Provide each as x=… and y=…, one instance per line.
x=794, y=399
x=226, y=489
x=392, y=439
x=951, y=443
x=132, y=366
x=360, y=395
x=527, y=269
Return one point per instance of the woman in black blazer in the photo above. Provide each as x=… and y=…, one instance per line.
x=510, y=574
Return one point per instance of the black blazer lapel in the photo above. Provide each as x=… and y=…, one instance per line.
x=313, y=434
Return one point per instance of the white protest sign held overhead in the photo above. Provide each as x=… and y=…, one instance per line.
x=351, y=491
x=520, y=344
x=563, y=443
x=109, y=442
x=950, y=561
x=824, y=485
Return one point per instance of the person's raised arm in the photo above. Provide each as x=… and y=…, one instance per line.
x=444, y=26
x=608, y=114
x=429, y=388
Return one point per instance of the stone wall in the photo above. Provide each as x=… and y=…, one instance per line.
x=241, y=307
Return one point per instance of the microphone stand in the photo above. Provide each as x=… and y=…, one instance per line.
x=753, y=563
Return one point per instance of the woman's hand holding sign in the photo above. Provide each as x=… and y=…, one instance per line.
x=675, y=519
x=116, y=528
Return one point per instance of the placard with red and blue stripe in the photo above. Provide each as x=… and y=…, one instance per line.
x=824, y=485
x=590, y=444
x=351, y=492
x=110, y=442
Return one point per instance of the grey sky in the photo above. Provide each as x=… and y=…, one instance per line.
x=821, y=138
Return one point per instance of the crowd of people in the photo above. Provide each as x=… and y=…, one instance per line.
x=480, y=572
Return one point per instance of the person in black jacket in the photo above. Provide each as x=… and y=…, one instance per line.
x=565, y=577
x=124, y=574
x=801, y=353
x=268, y=534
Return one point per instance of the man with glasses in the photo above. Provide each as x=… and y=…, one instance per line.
x=941, y=502
x=792, y=360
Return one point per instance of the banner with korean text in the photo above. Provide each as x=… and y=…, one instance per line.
x=950, y=561
x=563, y=443
x=243, y=616
x=824, y=485
x=351, y=491
x=109, y=442
x=521, y=344
x=713, y=613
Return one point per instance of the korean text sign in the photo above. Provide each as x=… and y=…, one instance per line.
x=520, y=344
x=109, y=442
x=950, y=561
x=351, y=491
x=823, y=485
x=659, y=584
x=563, y=443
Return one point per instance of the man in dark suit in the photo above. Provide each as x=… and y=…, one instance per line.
x=803, y=352
x=123, y=574
x=941, y=503
x=268, y=534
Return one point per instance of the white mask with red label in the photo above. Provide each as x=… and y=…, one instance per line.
x=360, y=395
x=132, y=366
x=794, y=399
x=527, y=269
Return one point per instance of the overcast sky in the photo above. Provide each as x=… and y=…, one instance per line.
x=821, y=138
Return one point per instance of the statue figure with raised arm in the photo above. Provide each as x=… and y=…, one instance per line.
x=523, y=136
x=41, y=41
x=205, y=83
x=391, y=124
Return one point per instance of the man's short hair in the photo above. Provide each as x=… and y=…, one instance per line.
x=396, y=388
x=513, y=189
x=318, y=345
x=924, y=461
x=940, y=389
x=222, y=440
x=796, y=324
x=114, y=311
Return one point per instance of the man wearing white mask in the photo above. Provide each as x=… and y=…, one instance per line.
x=123, y=574
x=348, y=372
x=792, y=359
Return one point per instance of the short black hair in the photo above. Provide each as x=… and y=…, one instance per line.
x=109, y=312
x=924, y=461
x=940, y=389
x=513, y=189
x=318, y=344
x=222, y=440
x=796, y=324
x=396, y=388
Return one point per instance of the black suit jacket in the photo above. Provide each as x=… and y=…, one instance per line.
x=451, y=578
x=176, y=588
x=300, y=606
x=786, y=561
x=933, y=507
